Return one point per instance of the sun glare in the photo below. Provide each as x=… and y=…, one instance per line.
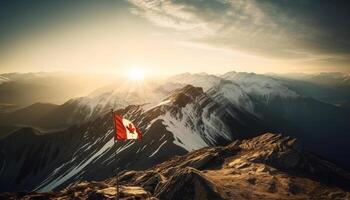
x=136, y=74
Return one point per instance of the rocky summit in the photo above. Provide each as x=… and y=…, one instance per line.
x=270, y=166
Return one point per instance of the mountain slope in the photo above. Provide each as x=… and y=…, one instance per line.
x=266, y=167
x=187, y=120
x=97, y=103
x=323, y=127
x=27, y=115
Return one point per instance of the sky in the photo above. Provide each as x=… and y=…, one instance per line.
x=168, y=37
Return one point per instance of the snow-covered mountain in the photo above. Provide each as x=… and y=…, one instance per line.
x=177, y=119
x=285, y=107
x=112, y=96
x=203, y=80
x=238, y=86
x=331, y=88
x=260, y=85
x=87, y=108
x=187, y=120
x=125, y=92
x=335, y=79
x=245, y=90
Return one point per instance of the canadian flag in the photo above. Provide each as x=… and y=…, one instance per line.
x=125, y=129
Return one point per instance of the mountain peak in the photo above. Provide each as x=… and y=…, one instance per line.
x=185, y=95
x=272, y=141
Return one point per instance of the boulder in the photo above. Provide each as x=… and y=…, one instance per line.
x=200, y=161
x=136, y=192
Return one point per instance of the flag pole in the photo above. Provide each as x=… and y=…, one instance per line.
x=115, y=154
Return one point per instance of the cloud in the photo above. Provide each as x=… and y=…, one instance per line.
x=208, y=17
x=279, y=29
x=170, y=15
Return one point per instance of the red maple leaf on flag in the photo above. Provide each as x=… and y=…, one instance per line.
x=131, y=128
x=124, y=129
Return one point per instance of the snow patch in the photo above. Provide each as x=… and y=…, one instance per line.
x=160, y=146
x=188, y=139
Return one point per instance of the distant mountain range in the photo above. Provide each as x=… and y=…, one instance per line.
x=183, y=113
x=23, y=89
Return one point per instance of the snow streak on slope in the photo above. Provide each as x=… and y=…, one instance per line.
x=47, y=186
x=156, y=151
x=184, y=136
x=195, y=125
x=233, y=93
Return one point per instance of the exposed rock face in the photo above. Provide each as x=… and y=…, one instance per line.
x=188, y=183
x=269, y=166
x=184, y=96
x=86, y=190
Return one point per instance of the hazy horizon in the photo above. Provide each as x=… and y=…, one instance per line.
x=148, y=75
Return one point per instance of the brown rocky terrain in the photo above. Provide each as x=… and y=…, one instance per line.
x=269, y=166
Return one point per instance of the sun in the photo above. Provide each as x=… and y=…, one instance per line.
x=136, y=74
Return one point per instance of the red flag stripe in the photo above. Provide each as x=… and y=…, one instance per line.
x=119, y=127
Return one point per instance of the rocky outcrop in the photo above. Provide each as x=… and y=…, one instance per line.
x=85, y=190
x=185, y=95
x=270, y=166
x=188, y=183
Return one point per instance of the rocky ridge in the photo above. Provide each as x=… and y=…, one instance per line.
x=270, y=166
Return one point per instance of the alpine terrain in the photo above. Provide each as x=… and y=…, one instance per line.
x=269, y=166
x=63, y=145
